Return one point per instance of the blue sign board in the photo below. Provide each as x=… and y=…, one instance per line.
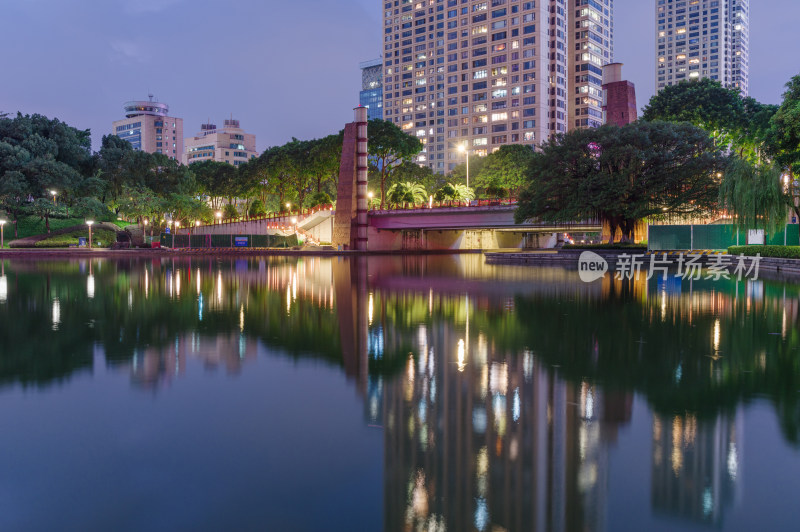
x=81, y=242
x=240, y=241
x=166, y=230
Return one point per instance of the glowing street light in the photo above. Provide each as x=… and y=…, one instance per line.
x=90, y=223
x=219, y=217
x=53, y=193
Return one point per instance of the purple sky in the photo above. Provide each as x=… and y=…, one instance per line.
x=284, y=69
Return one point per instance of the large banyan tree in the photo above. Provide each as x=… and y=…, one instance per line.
x=623, y=175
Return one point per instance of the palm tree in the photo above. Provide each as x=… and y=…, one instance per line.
x=406, y=193
x=451, y=192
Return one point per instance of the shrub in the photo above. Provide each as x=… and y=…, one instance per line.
x=317, y=199
x=230, y=211
x=778, y=252
x=100, y=238
x=618, y=245
x=257, y=209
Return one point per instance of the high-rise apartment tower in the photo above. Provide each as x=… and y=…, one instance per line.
x=371, y=95
x=484, y=73
x=703, y=39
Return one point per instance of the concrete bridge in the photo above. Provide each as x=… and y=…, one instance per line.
x=437, y=228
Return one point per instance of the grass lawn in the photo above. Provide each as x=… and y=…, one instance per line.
x=100, y=238
x=33, y=225
x=121, y=224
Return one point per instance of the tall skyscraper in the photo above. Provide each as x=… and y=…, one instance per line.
x=484, y=73
x=371, y=95
x=148, y=127
x=703, y=39
x=228, y=145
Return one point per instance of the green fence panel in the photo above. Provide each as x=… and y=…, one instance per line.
x=180, y=241
x=793, y=235
x=788, y=237
x=666, y=237
x=221, y=241
x=714, y=236
x=200, y=241
x=228, y=241
x=259, y=241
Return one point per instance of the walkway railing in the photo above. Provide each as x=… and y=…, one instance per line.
x=283, y=220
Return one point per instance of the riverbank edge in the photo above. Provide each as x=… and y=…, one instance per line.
x=568, y=259
x=72, y=253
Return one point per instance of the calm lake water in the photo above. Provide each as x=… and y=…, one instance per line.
x=397, y=393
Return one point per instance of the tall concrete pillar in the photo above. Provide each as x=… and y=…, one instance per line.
x=361, y=178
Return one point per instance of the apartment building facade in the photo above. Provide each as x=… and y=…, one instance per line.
x=484, y=73
x=703, y=39
x=148, y=127
x=229, y=144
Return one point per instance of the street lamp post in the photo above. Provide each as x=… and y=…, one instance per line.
x=219, y=217
x=2, y=241
x=53, y=193
x=89, y=223
x=177, y=225
x=462, y=148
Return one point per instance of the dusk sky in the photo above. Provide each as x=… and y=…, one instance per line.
x=282, y=68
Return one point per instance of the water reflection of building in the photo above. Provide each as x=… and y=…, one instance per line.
x=480, y=439
x=696, y=469
x=152, y=366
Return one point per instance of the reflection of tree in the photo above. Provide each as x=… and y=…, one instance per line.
x=136, y=305
x=703, y=352
x=702, y=348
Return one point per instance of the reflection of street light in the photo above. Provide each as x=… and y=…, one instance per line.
x=89, y=223
x=2, y=225
x=462, y=148
x=461, y=356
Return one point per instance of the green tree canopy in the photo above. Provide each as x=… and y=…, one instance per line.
x=388, y=147
x=733, y=120
x=505, y=169
x=784, y=133
x=621, y=175
x=754, y=195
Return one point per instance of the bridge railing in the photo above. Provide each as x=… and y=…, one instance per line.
x=284, y=220
x=276, y=220
x=447, y=205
